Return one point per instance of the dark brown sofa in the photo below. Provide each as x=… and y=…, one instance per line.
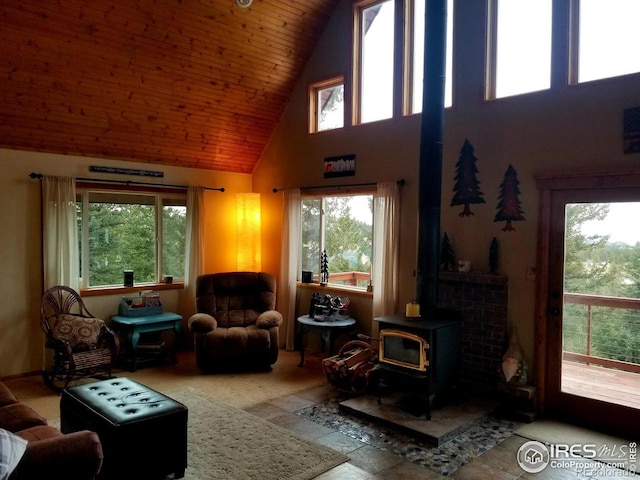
x=49, y=453
x=236, y=324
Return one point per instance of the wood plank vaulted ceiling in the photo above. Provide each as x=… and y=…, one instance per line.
x=192, y=83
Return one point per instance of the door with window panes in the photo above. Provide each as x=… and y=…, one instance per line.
x=590, y=337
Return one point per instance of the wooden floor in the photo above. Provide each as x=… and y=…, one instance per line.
x=600, y=383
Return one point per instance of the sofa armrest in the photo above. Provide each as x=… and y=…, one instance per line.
x=202, y=323
x=76, y=456
x=269, y=319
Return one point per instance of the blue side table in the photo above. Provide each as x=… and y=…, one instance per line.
x=132, y=327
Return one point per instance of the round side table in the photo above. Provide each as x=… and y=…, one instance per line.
x=328, y=331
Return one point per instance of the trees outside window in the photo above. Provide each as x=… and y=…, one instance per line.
x=125, y=231
x=597, y=266
x=343, y=226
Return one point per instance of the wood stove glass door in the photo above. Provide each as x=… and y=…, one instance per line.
x=593, y=308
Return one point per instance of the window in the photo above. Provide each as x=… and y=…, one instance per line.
x=143, y=232
x=343, y=226
x=374, y=66
x=607, y=39
x=416, y=52
x=519, y=47
x=377, y=71
x=327, y=105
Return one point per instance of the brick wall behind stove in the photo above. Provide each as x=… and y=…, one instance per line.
x=482, y=299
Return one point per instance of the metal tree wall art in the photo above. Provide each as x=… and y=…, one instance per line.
x=467, y=186
x=447, y=257
x=508, y=202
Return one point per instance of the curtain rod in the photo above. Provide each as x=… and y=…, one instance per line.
x=127, y=182
x=400, y=183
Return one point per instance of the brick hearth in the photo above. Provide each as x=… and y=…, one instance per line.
x=482, y=299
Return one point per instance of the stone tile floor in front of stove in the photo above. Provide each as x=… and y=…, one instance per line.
x=377, y=450
x=486, y=451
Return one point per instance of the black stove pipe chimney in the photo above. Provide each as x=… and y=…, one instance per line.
x=431, y=143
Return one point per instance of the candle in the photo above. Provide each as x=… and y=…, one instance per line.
x=412, y=310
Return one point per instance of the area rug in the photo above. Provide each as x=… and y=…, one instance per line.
x=226, y=443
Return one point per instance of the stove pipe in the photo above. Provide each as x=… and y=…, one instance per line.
x=431, y=142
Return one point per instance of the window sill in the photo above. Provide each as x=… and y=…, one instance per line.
x=336, y=288
x=120, y=290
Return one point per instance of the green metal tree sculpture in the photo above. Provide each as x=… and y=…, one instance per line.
x=508, y=204
x=324, y=268
x=493, y=256
x=447, y=257
x=467, y=186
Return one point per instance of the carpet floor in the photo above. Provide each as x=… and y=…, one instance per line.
x=231, y=444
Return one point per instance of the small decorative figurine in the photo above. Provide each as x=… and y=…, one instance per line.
x=447, y=257
x=493, y=256
x=324, y=268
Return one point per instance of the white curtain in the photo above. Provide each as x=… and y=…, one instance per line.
x=194, y=248
x=60, y=252
x=289, y=263
x=386, y=228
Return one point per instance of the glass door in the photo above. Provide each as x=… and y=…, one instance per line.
x=593, y=361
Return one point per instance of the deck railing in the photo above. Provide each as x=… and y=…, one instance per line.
x=353, y=279
x=591, y=302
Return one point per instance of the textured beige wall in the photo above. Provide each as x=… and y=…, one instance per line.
x=21, y=341
x=569, y=128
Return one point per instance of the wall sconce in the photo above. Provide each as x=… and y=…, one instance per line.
x=249, y=237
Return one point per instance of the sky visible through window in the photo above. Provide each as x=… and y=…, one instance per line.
x=607, y=44
x=620, y=224
x=607, y=48
x=608, y=38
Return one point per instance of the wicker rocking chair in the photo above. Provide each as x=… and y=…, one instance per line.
x=83, y=346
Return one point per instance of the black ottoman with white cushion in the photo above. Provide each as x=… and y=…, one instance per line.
x=143, y=432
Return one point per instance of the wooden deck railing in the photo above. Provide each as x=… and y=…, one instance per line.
x=346, y=278
x=350, y=278
x=600, y=301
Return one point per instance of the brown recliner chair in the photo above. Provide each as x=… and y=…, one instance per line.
x=236, y=324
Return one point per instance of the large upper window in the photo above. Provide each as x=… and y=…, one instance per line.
x=374, y=60
x=343, y=226
x=602, y=42
x=386, y=83
x=607, y=38
x=519, y=47
x=416, y=52
x=143, y=232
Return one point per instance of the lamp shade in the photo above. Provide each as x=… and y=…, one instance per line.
x=249, y=237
